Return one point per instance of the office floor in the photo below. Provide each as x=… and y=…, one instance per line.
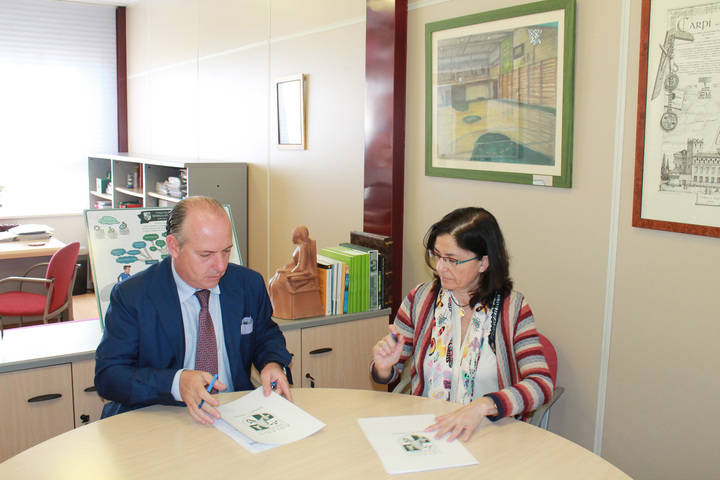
x=85, y=306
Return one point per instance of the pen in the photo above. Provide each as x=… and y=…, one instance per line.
x=209, y=389
x=394, y=337
x=273, y=385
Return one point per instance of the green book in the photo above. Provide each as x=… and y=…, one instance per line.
x=373, y=275
x=358, y=287
x=364, y=276
x=353, y=271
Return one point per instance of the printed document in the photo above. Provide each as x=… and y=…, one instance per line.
x=403, y=445
x=259, y=423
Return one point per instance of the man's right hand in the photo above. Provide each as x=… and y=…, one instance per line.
x=193, y=390
x=386, y=352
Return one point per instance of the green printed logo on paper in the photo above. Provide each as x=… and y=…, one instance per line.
x=148, y=216
x=151, y=237
x=127, y=259
x=117, y=252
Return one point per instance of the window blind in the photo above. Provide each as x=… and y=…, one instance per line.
x=58, y=102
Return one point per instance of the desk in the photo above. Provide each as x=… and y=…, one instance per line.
x=164, y=442
x=17, y=249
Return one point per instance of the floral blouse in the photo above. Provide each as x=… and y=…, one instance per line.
x=459, y=374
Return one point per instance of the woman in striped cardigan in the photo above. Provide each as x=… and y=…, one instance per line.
x=499, y=369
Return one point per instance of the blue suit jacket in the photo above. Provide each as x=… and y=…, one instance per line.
x=143, y=344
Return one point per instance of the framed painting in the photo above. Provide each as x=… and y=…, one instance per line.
x=677, y=150
x=290, y=95
x=499, y=95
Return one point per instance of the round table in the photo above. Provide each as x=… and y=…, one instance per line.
x=164, y=442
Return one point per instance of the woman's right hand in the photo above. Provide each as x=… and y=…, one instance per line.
x=386, y=352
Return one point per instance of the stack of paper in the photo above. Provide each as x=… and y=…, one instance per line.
x=403, y=445
x=259, y=423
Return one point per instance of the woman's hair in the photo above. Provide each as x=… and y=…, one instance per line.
x=475, y=229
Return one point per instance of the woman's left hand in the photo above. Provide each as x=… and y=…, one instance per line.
x=464, y=421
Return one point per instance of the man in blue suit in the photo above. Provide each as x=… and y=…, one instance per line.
x=155, y=348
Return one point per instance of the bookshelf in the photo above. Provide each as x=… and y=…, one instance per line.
x=226, y=182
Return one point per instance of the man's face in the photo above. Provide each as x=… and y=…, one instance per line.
x=202, y=260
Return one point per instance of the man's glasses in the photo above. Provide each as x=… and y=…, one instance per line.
x=452, y=262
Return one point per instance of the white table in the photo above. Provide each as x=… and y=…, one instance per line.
x=162, y=442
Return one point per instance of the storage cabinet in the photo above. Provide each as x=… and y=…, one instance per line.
x=36, y=405
x=39, y=403
x=334, y=355
x=88, y=404
x=226, y=182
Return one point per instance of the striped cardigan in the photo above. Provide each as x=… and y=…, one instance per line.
x=523, y=374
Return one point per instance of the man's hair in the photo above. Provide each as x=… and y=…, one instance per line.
x=177, y=216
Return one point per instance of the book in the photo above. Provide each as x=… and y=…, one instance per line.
x=355, y=278
x=383, y=244
x=359, y=284
x=324, y=280
x=334, y=271
x=373, y=273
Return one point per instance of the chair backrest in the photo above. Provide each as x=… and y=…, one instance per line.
x=550, y=356
x=61, y=269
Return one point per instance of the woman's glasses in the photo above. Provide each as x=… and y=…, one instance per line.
x=452, y=262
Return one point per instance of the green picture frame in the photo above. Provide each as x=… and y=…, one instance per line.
x=499, y=95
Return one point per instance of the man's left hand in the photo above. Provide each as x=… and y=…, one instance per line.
x=272, y=372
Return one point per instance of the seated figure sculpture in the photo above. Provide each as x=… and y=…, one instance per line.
x=295, y=289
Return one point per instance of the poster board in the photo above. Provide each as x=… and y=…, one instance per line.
x=125, y=241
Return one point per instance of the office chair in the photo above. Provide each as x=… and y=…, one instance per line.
x=539, y=417
x=59, y=282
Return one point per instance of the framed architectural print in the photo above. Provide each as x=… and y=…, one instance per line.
x=499, y=95
x=677, y=150
x=290, y=95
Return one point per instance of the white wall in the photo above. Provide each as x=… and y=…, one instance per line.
x=200, y=85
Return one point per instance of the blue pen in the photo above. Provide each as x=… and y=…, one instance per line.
x=274, y=384
x=209, y=389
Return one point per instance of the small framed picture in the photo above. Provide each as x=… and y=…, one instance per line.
x=290, y=96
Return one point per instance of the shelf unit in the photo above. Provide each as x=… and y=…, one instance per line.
x=226, y=182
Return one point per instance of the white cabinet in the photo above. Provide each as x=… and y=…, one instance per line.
x=336, y=354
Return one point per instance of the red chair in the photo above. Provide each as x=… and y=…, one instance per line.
x=541, y=415
x=59, y=282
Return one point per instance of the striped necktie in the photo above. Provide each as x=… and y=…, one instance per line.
x=206, y=356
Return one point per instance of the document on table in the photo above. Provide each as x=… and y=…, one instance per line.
x=403, y=445
x=259, y=423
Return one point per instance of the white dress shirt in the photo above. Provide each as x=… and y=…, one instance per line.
x=190, y=308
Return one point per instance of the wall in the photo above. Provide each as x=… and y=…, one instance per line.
x=200, y=85
x=662, y=392
x=557, y=238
